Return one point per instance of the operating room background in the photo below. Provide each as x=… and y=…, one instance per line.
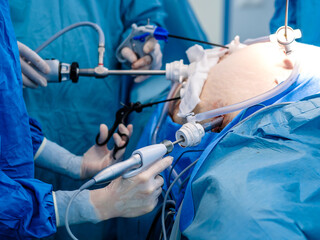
x=222, y=20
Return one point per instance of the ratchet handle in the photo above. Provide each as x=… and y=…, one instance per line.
x=135, y=44
x=117, y=148
x=137, y=38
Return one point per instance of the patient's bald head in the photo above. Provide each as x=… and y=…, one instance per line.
x=244, y=74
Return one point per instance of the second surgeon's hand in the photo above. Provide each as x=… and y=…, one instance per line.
x=131, y=197
x=31, y=65
x=153, y=59
x=99, y=157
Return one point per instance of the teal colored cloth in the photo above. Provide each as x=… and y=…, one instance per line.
x=27, y=209
x=306, y=84
x=261, y=181
x=70, y=114
x=269, y=135
x=304, y=15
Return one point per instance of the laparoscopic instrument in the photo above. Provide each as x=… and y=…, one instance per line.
x=61, y=72
x=139, y=161
x=121, y=116
x=143, y=158
x=139, y=35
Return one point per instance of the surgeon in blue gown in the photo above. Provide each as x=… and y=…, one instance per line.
x=30, y=208
x=19, y=190
x=255, y=180
x=68, y=103
x=304, y=15
x=69, y=113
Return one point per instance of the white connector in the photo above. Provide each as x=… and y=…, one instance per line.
x=286, y=41
x=176, y=71
x=191, y=133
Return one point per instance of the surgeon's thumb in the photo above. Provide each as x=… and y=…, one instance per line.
x=103, y=133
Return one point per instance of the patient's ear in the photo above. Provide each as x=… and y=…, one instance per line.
x=287, y=63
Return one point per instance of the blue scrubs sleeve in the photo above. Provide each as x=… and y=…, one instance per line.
x=27, y=209
x=36, y=134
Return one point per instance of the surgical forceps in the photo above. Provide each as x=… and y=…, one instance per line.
x=121, y=117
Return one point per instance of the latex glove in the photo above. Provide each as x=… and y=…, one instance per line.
x=131, y=197
x=153, y=59
x=99, y=157
x=55, y=158
x=30, y=62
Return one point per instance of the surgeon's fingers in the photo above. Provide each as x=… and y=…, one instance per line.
x=28, y=83
x=32, y=74
x=141, y=78
x=128, y=54
x=142, y=62
x=119, y=141
x=149, y=45
x=34, y=58
x=126, y=130
x=104, y=131
x=159, y=181
x=158, y=167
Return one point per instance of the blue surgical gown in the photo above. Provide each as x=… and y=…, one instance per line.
x=259, y=162
x=261, y=181
x=36, y=134
x=304, y=15
x=27, y=209
x=306, y=84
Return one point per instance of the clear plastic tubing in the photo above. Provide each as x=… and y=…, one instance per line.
x=163, y=114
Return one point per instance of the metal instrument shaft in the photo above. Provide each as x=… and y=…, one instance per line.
x=286, y=21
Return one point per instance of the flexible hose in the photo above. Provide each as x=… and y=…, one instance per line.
x=72, y=26
x=84, y=186
x=166, y=197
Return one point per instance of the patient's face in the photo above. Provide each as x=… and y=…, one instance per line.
x=241, y=75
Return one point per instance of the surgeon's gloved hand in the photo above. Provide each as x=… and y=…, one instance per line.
x=131, y=197
x=31, y=64
x=153, y=59
x=56, y=158
x=98, y=157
